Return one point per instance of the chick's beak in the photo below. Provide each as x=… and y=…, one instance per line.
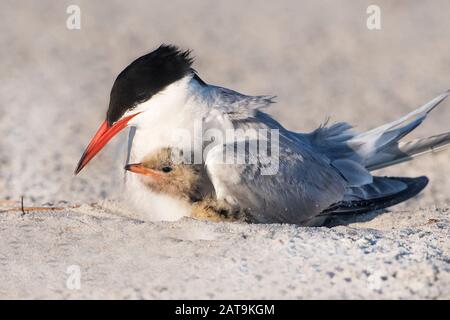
x=141, y=169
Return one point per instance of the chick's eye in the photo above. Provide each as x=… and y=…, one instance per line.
x=166, y=169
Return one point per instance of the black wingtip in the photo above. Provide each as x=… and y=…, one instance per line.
x=414, y=187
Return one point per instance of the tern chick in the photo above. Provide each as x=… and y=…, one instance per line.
x=163, y=171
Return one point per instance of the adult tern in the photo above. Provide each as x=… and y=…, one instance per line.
x=320, y=173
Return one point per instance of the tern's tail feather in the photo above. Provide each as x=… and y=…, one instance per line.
x=405, y=151
x=380, y=147
x=382, y=193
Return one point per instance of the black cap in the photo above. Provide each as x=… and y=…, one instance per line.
x=145, y=77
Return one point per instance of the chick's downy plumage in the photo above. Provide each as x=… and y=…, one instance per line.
x=166, y=171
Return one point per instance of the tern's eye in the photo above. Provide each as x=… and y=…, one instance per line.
x=166, y=169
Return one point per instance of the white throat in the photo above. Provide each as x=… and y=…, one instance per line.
x=175, y=108
x=172, y=110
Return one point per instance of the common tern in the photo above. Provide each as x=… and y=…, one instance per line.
x=321, y=173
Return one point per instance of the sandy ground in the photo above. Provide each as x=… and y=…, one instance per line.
x=317, y=57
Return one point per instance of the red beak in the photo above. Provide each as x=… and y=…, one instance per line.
x=100, y=139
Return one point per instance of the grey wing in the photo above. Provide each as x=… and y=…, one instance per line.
x=326, y=170
x=236, y=105
x=303, y=186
